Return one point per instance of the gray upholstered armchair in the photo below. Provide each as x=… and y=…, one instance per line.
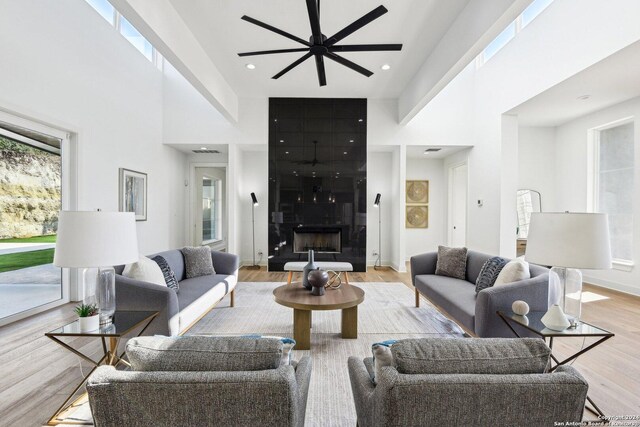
x=467, y=382
x=199, y=381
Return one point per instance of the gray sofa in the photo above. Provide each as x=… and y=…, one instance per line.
x=232, y=382
x=477, y=314
x=467, y=382
x=178, y=312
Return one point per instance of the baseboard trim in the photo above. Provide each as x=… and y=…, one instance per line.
x=608, y=284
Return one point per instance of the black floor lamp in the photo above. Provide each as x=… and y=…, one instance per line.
x=376, y=203
x=254, y=203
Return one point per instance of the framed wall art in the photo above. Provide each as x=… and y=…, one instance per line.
x=133, y=193
x=417, y=192
x=417, y=216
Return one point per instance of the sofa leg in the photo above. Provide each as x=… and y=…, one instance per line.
x=417, y=298
x=232, y=296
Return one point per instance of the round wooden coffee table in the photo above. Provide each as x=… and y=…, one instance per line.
x=346, y=298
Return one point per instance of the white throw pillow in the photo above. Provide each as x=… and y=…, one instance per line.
x=515, y=270
x=146, y=270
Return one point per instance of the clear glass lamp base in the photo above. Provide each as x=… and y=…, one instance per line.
x=106, y=294
x=569, y=282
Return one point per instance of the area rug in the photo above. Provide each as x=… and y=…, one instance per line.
x=388, y=312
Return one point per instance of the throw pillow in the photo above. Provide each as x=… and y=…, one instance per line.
x=203, y=353
x=496, y=356
x=489, y=272
x=169, y=276
x=382, y=357
x=144, y=270
x=514, y=271
x=287, y=346
x=452, y=262
x=197, y=261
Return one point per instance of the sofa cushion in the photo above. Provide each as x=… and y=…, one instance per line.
x=198, y=295
x=497, y=356
x=489, y=272
x=456, y=297
x=197, y=261
x=514, y=271
x=201, y=353
x=169, y=276
x=452, y=262
x=145, y=270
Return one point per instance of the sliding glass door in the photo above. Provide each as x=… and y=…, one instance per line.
x=30, y=199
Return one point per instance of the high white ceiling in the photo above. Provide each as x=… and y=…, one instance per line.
x=418, y=24
x=611, y=81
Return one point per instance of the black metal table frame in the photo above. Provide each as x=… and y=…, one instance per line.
x=595, y=410
x=110, y=357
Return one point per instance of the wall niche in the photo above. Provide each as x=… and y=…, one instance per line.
x=317, y=180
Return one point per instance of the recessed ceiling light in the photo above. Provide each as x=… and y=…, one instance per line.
x=250, y=66
x=385, y=67
x=351, y=140
x=344, y=152
x=360, y=120
x=584, y=97
x=282, y=140
x=286, y=152
x=203, y=148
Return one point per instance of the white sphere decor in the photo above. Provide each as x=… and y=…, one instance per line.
x=520, y=307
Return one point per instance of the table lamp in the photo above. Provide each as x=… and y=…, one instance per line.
x=569, y=241
x=97, y=240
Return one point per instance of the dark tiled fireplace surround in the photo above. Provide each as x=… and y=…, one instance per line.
x=317, y=180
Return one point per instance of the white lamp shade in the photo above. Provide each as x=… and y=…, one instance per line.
x=572, y=240
x=95, y=239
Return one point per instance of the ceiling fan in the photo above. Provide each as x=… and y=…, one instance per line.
x=321, y=46
x=315, y=160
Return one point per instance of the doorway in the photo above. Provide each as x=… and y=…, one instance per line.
x=457, y=221
x=209, y=207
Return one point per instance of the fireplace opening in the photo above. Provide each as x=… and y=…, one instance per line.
x=320, y=241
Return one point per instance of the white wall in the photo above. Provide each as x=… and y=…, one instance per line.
x=420, y=240
x=549, y=50
x=254, y=178
x=64, y=65
x=572, y=179
x=378, y=163
x=537, y=163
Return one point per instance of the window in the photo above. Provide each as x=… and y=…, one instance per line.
x=210, y=210
x=525, y=18
x=108, y=12
x=532, y=11
x=613, y=184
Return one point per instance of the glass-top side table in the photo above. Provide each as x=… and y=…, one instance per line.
x=533, y=322
x=124, y=322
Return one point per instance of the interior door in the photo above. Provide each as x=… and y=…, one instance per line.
x=458, y=213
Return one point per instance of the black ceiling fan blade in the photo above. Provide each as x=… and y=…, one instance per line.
x=365, y=47
x=314, y=20
x=322, y=76
x=275, y=30
x=293, y=65
x=356, y=25
x=349, y=64
x=269, y=52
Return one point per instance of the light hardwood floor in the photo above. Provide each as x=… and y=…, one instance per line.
x=36, y=374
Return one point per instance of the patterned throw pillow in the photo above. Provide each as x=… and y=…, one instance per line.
x=489, y=272
x=169, y=276
x=197, y=261
x=381, y=357
x=452, y=262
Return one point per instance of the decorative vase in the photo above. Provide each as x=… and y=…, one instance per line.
x=90, y=323
x=520, y=308
x=307, y=269
x=555, y=319
x=318, y=280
